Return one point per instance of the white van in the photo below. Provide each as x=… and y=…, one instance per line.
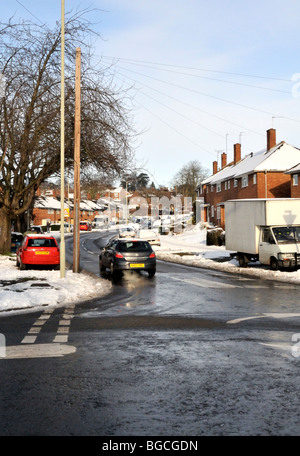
x=101, y=221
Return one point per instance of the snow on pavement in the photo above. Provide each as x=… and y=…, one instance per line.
x=24, y=290
x=189, y=248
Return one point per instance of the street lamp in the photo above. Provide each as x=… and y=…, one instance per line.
x=62, y=146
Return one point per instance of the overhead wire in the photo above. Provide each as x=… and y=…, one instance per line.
x=194, y=107
x=209, y=95
x=196, y=69
x=149, y=66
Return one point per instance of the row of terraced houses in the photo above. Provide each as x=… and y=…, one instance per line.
x=270, y=173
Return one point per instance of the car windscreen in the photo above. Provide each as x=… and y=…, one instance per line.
x=40, y=242
x=134, y=246
x=287, y=234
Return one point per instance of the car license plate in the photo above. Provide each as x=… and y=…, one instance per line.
x=41, y=252
x=137, y=265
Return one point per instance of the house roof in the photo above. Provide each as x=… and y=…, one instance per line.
x=294, y=169
x=280, y=158
x=47, y=202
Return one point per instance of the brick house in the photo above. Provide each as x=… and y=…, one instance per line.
x=48, y=208
x=295, y=181
x=258, y=175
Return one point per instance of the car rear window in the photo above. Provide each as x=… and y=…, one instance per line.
x=40, y=242
x=134, y=246
x=16, y=237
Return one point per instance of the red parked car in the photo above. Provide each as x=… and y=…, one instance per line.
x=38, y=250
x=84, y=226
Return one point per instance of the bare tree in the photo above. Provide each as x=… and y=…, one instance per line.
x=188, y=177
x=30, y=113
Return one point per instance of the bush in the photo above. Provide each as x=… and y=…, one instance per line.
x=215, y=237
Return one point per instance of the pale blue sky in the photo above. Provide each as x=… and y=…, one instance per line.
x=201, y=71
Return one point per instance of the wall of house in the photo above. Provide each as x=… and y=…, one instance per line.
x=295, y=186
x=270, y=185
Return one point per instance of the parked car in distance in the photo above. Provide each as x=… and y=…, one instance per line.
x=127, y=255
x=38, y=250
x=85, y=226
x=149, y=235
x=16, y=241
x=35, y=229
x=127, y=231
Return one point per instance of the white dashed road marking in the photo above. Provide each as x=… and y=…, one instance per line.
x=62, y=334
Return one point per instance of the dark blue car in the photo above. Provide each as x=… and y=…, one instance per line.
x=16, y=241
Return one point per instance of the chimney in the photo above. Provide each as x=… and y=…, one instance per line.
x=236, y=153
x=271, y=138
x=215, y=167
x=223, y=160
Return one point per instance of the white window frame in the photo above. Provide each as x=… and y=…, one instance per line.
x=254, y=179
x=225, y=185
x=245, y=181
x=235, y=182
x=218, y=212
x=295, y=179
x=228, y=185
x=211, y=188
x=219, y=187
x=212, y=211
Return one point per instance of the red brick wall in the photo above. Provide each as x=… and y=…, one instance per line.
x=278, y=186
x=295, y=189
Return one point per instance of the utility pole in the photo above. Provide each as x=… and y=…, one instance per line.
x=62, y=148
x=76, y=230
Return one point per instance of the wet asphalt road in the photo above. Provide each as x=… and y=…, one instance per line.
x=190, y=352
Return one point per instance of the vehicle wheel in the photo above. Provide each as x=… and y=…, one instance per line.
x=101, y=267
x=112, y=269
x=151, y=273
x=17, y=263
x=22, y=266
x=274, y=264
x=241, y=259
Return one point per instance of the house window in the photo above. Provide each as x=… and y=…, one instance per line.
x=254, y=179
x=225, y=185
x=245, y=181
x=228, y=185
x=212, y=211
x=218, y=213
x=50, y=211
x=235, y=182
x=211, y=188
x=295, y=179
x=218, y=186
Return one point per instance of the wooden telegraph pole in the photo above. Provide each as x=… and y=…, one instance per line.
x=76, y=232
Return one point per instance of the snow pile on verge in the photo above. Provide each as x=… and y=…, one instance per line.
x=21, y=290
x=189, y=248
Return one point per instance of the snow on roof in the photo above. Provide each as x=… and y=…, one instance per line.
x=47, y=202
x=106, y=202
x=279, y=158
x=294, y=169
x=92, y=205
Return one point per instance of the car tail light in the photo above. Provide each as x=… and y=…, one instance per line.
x=118, y=255
x=152, y=255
